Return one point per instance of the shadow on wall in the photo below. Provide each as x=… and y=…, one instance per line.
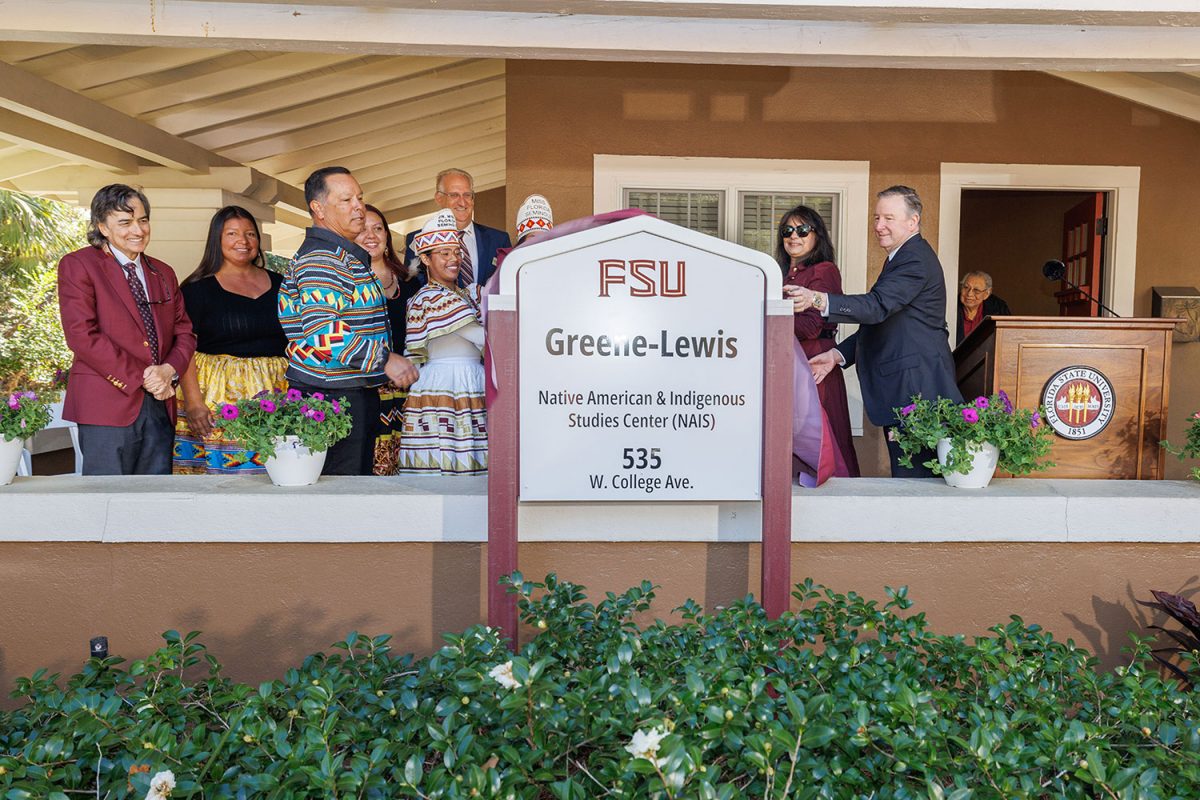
x=274, y=643
x=1128, y=618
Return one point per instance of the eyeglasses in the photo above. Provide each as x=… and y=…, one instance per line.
x=799, y=230
x=164, y=288
x=456, y=196
x=973, y=290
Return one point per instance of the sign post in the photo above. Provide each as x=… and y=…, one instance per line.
x=639, y=361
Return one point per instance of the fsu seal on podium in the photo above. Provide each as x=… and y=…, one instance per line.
x=1079, y=402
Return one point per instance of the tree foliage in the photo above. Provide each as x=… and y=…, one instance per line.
x=34, y=234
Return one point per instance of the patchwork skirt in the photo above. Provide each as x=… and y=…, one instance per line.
x=223, y=379
x=445, y=420
x=391, y=419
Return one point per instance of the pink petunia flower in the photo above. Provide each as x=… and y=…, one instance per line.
x=337, y=407
x=318, y=416
x=981, y=402
x=970, y=415
x=294, y=395
x=13, y=402
x=908, y=409
x=229, y=411
x=318, y=396
x=1035, y=420
x=267, y=405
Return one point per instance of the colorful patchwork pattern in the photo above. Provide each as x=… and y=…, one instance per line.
x=332, y=309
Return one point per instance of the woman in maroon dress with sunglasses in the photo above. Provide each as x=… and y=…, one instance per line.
x=805, y=254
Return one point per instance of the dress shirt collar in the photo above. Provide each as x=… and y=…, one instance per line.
x=896, y=249
x=122, y=259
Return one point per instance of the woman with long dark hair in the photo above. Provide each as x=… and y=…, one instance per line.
x=804, y=251
x=232, y=301
x=399, y=285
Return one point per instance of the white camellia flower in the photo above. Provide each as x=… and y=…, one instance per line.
x=161, y=785
x=503, y=675
x=644, y=744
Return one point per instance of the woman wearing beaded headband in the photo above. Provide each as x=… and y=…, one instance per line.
x=445, y=419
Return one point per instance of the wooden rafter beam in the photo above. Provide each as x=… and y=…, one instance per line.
x=407, y=157
x=69, y=146
x=40, y=100
x=22, y=164
x=294, y=148
x=1173, y=93
x=345, y=106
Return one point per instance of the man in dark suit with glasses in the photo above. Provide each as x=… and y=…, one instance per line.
x=124, y=320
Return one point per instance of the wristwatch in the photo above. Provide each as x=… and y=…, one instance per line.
x=818, y=302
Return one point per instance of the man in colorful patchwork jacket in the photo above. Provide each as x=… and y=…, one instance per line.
x=333, y=312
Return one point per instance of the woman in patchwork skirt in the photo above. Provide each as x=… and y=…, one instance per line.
x=445, y=420
x=232, y=301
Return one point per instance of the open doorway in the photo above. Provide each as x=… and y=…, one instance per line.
x=1120, y=186
x=1011, y=233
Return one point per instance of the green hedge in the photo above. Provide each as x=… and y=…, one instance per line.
x=844, y=698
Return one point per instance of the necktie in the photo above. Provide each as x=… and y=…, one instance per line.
x=143, y=307
x=466, y=271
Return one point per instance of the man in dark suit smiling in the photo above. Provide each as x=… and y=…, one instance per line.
x=902, y=345
x=455, y=190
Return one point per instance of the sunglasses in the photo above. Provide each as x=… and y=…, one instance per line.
x=799, y=230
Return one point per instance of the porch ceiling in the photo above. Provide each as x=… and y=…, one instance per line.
x=72, y=115
x=397, y=89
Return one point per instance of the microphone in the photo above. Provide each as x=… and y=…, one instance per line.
x=1056, y=270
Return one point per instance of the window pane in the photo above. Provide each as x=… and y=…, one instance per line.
x=760, y=213
x=696, y=210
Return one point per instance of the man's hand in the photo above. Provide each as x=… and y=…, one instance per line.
x=156, y=379
x=400, y=371
x=804, y=299
x=822, y=364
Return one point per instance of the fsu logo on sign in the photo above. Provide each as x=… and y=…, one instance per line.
x=1079, y=402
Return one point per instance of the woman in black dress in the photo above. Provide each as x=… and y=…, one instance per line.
x=233, y=304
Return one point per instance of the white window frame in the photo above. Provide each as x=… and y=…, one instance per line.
x=1120, y=249
x=850, y=180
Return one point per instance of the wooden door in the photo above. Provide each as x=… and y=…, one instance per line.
x=1084, y=227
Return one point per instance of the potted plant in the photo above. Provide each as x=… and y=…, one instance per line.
x=292, y=431
x=21, y=416
x=1191, y=448
x=972, y=438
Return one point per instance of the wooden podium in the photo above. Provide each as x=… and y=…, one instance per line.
x=1104, y=381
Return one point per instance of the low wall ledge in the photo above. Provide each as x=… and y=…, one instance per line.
x=418, y=509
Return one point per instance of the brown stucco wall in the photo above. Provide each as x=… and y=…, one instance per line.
x=263, y=607
x=905, y=122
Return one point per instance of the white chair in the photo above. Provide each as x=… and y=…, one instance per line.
x=25, y=466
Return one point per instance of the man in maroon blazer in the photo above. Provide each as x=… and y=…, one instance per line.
x=124, y=319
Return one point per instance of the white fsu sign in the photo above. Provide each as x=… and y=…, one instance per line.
x=641, y=365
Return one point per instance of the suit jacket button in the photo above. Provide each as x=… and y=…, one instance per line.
x=145, y=344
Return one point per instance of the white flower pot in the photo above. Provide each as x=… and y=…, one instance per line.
x=10, y=457
x=294, y=464
x=985, y=457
